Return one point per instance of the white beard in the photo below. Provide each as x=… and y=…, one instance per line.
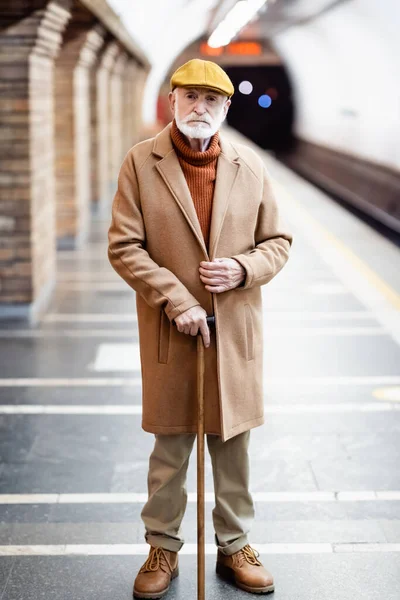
x=201, y=130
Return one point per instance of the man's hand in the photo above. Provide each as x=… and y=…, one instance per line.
x=191, y=321
x=221, y=274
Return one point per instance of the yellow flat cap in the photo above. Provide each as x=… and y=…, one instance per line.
x=202, y=73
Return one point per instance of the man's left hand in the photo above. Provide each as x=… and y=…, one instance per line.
x=221, y=274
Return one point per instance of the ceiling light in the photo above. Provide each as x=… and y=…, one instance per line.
x=235, y=20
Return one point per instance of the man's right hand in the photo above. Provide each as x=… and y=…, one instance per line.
x=191, y=321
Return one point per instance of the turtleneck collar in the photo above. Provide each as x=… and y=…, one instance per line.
x=194, y=157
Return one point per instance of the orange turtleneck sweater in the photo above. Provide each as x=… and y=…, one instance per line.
x=200, y=169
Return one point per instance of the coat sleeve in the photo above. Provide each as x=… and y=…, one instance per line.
x=272, y=239
x=159, y=287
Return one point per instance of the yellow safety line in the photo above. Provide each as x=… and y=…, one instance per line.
x=384, y=288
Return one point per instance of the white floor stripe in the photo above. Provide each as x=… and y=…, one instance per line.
x=188, y=549
x=365, y=547
x=328, y=331
x=136, y=381
x=65, y=409
x=329, y=288
x=71, y=382
x=141, y=497
x=117, y=357
x=107, y=274
x=388, y=495
x=359, y=315
x=340, y=407
x=340, y=380
x=269, y=332
x=273, y=315
x=93, y=286
x=83, y=256
x=29, y=498
x=89, y=318
x=74, y=333
x=359, y=496
x=134, y=409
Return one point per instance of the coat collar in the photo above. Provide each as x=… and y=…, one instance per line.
x=172, y=174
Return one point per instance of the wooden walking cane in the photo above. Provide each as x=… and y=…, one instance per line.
x=200, y=465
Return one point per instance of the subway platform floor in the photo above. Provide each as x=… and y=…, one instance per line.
x=324, y=467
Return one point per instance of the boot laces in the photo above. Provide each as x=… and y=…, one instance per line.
x=157, y=559
x=248, y=554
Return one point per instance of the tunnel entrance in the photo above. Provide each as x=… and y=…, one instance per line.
x=266, y=114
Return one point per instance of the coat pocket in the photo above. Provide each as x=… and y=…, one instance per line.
x=249, y=328
x=163, y=338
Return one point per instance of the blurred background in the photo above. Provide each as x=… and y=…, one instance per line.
x=317, y=96
x=316, y=84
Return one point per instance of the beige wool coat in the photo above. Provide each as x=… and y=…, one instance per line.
x=156, y=246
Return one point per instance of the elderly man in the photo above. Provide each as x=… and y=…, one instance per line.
x=196, y=232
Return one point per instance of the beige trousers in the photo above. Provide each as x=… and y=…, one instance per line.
x=234, y=510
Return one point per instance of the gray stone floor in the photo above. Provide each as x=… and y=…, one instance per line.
x=330, y=353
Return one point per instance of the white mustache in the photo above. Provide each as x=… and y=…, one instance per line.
x=193, y=118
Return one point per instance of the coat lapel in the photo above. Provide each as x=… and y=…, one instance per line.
x=227, y=171
x=172, y=174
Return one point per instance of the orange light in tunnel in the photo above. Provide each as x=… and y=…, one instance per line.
x=246, y=48
x=272, y=92
x=209, y=51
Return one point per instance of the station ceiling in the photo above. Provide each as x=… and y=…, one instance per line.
x=164, y=29
x=341, y=57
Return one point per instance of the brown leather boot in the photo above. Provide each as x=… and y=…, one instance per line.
x=245, y=570
x=155, y=575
